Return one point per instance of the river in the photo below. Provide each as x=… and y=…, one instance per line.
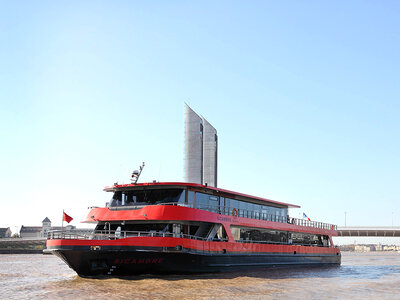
x=361, y=276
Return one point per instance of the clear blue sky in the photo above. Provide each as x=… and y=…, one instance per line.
x=304, y=95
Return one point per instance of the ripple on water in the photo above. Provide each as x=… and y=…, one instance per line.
x=361, y=275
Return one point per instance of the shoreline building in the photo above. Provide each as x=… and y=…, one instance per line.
x=40, y=231
x=201, y=150
x=5, y=232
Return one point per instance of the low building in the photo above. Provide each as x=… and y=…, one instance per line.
x=391, y=248
x=30, y=231
x=40, y=231
x=5, y=232
x=364, y=248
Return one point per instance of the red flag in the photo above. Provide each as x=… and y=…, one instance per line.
x=67, y=218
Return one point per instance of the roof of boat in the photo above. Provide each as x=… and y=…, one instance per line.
x=194, y=185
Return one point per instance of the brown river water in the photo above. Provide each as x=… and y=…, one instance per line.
x=361, y=276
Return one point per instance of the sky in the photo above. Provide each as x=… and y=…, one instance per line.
x=304, y=96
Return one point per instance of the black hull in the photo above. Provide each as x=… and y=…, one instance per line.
x=128, y=263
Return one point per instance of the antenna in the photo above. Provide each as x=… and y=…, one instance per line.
x=136, y=174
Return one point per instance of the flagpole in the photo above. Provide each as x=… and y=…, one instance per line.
x=62, y=223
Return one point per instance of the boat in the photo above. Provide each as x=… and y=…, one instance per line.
x=179, y=227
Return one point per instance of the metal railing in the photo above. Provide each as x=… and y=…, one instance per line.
x=281, y=243
x=115, y=235
x=243, y=213
x=259, y=215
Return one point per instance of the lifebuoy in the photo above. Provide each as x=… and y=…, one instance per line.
x=234, y=212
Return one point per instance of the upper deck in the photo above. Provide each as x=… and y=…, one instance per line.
x=199, y=187
x=129, y=197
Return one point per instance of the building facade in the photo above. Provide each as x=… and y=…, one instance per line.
x=40, y=231
x=5, y=232
x=30, y=231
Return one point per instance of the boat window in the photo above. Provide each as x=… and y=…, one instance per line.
x=325, y=241
x=151, y=196
x=214, y=207
x=233, y=204
x=191, y=199
x=270, y=236
x=227, y=203
x=235, y=232
x=248, y=234
x=240, y=208
x=221, y=233
x=243, y=208
x=308, y=239
x=202, y=201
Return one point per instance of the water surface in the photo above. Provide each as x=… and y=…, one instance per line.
x=361, y=276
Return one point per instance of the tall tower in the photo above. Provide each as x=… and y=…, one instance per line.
x=201, y=150
x=210, y=154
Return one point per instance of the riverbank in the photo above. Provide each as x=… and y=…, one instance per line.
x=21, y=251
x=22, y=246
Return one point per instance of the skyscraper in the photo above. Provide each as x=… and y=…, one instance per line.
x=201, y=150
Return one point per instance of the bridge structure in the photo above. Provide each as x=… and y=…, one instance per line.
x=369, y=231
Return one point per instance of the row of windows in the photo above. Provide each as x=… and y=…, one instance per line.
x=198, y=200
x=226, y=206
x=259, y=235
x=146, y=197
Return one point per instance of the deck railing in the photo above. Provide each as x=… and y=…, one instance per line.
x=116, y=234
x=251, y=214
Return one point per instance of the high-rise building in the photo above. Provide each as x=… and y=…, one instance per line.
x=201, y=150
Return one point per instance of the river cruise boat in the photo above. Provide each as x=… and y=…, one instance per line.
x=174, y=227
